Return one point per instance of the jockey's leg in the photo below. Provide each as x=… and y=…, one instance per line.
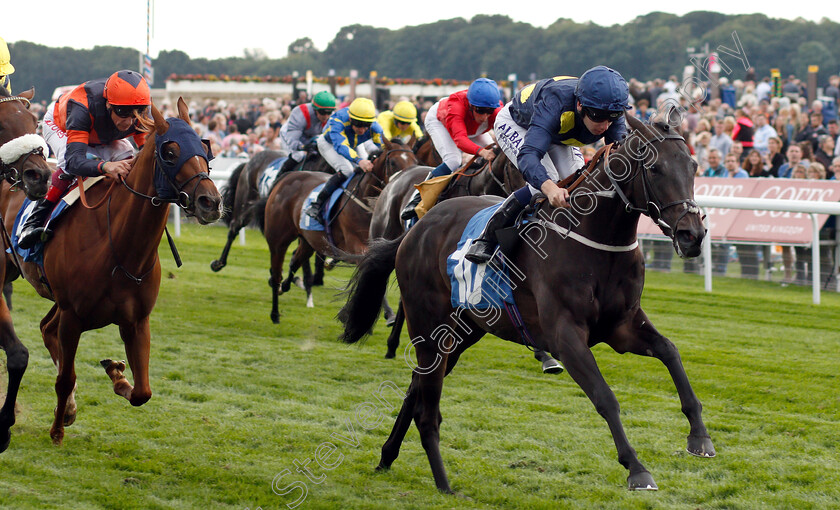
x=33, y=230
x=316, y=208
x=484, y=246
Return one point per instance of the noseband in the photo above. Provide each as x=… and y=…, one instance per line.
x=653, y=206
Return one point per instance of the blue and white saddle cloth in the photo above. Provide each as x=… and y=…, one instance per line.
x=269, y=175
x=478, y=286
x=307, y=223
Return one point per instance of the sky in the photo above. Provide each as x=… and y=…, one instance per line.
x=215, y=32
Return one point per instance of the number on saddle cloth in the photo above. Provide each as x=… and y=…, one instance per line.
x=478, y=286
x=269, y=175
x=307, y=223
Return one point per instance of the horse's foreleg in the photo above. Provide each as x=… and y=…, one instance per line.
x=221, y=262
x=427, y=414
x=642, y=338
x=306, y=283
x=17, y=358
x=49, y=332
x=136, y=338
x=581, y=365
x=68, y=332
x=391, y=448
x=278, y=254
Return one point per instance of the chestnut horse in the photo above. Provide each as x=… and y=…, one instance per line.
x=242, y=190
x=102, y=267
x=426, y=153
x=348, y=228
x=579, y=279
x=24, y=171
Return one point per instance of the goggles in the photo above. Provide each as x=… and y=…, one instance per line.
x=360, y=123
x=483, y=110
x=126, y=111
x=598, y=115
x=322, y=111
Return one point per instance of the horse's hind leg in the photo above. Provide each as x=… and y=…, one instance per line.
x=69, y=330
x=640, y=337
x=17, y=358
x=221, y=262
x=49, y=332
x=304, y=254
x=136, y=338
x=396, y=331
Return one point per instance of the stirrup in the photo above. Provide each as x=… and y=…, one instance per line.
x=34, y=236
x=480, y=252
x=314, y=212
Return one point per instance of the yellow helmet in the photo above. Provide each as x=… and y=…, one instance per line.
x=363, y=110
x=6, y=66
x=405, y=111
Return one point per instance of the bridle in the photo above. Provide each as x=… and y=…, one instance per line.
x=653, y=207
x=15, y=152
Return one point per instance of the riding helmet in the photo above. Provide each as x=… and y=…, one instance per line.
x=363, y=110
x=484, y=93
x=405, y=111
x=602, y=88
x=127, y=88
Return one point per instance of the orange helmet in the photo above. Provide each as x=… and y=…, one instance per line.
x=127, y=88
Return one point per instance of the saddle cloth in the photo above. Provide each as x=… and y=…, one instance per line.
x=478, y=286
x=269, y=175
x=307, y=223
x=36, y=253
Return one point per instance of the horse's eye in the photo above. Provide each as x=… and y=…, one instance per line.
x=170, y=152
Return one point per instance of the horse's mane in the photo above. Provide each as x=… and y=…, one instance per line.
x=144, y=124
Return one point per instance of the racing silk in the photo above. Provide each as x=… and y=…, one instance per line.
x=301, y=128
x=390, y=129
x=83, y=116
x=548, y=110
x=454, y=112
x=344, y=140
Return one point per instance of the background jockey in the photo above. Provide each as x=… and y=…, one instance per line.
x=541, y=129
x=6, y=67
x=401, y=122
x=87, y=130
x=459, y=123
x=343, y=146
x=306, y=122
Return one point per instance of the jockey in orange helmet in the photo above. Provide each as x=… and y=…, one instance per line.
x=87, y=130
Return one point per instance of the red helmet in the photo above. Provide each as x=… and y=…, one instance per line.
x=127, y=88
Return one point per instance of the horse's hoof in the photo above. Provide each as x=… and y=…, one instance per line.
x=552, y=366
x=5, y=439
x=216, y=266
x=69, y=419
x=57, y=436
x=390, y=355
x=382, y=467
x=641, y=482
x=275, y=318
x=390, y=320
x=299, y=282
x=701, y=447
x=318, y=281
x=285, y=286
x=330, y=263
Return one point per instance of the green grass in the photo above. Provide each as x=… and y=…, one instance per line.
x=238, y=400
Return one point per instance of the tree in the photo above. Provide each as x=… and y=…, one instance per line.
x=302, y=46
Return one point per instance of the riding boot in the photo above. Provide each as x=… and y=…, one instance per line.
x=484, y=246
x=289, y=165
x=408, y=211
x=33, y=230
x=314, y=210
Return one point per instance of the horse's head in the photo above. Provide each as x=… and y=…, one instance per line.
x=656, y=161
x=23, y=154
x=182, y=166
x=395, y=156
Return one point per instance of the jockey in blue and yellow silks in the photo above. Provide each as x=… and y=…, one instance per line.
x=350, y=134
x=541, y=129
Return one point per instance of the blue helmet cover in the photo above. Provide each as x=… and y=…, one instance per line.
x=603, y=88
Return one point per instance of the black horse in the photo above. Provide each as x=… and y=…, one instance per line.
x=580, y=276
x=242, y=191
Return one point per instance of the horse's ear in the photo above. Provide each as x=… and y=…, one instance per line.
x=388, y=144
x=161, y=126
x=633, y=122
x=28, y=94
x=183, y=110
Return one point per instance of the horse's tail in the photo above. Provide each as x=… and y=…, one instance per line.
x=257, y=212
x=229, y=193
x=366, y=289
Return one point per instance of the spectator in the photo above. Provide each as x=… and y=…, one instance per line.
x=775, y=159
x=743, y=131
x=715, y=169
x=738, y=150
x=763, y=133
x=803, y=255
x=754, y=165
x=701, y=150
x=834, y=168
x=642, y=111
x=720, y=140
x=807, y=153
x=733, y=167
x=794, y=158
x=825, y=152
x=812, y=131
